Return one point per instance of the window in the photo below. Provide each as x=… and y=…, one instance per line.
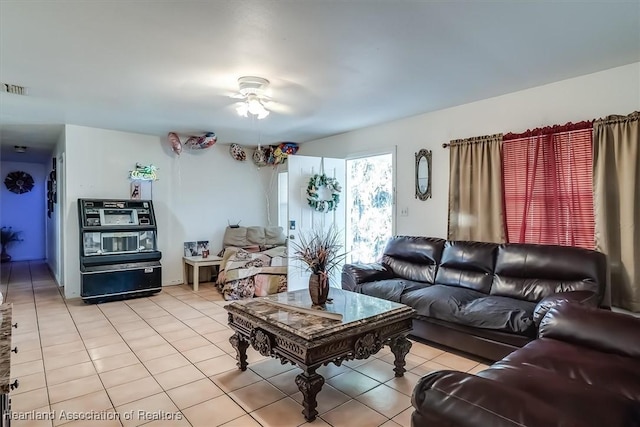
x=548, y=186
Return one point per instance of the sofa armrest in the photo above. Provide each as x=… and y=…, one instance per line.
x=594, y=328
x=460, y=399
x=355, y=274
x=547, y=303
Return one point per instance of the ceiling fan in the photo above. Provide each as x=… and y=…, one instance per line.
x=253, y=92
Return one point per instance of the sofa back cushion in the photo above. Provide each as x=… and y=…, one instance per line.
x=413, y=258
x=532, y=272
x=468, y=265
x=250, y=236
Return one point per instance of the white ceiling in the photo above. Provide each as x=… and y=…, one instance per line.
x=334, y=66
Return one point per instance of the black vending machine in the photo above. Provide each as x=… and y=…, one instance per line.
x=119, y=255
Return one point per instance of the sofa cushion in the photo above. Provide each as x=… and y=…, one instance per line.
x=618, y=373
x=255, y=235
x=439, y=301
x=391, y=289
x=274, y=236
x=413, y=258
x=532, y=272
x=499, y=313
x=468, y=265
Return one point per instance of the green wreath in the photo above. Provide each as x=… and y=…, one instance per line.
x=316, y=183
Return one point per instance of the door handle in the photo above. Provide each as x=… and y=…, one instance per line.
x=292, y=237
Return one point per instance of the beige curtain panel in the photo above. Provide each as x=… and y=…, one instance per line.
x=476, y=207
x=616, y=182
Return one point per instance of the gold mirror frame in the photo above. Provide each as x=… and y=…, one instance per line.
x=426, y=156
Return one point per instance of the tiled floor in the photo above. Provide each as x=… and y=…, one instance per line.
x=169, y=355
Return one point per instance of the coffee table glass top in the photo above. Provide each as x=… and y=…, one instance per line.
x=355, y=309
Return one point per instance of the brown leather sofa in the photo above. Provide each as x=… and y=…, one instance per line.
x=482, y=298
x=583, y=370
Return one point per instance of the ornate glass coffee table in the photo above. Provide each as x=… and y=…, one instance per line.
x=310, y=341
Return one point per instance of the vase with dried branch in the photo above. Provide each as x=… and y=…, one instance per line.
x=321, y=250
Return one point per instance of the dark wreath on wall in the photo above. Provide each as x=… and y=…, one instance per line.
x=52, y=193
x=19, y=182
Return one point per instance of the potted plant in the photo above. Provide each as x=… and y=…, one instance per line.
x=7, y=237
x=320, y=250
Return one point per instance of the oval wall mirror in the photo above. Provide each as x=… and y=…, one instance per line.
x=423, y=174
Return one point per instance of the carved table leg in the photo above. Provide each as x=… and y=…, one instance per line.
x=310, y=384
x=240, y=344
x=400, y=347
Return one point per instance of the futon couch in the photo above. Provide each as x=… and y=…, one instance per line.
x=582, y=371
x=482, y=298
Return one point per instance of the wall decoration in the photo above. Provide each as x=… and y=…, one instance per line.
x=144, y=173
x=323, y=193
x=136, y=190
x=19, y=182
x=423, y=174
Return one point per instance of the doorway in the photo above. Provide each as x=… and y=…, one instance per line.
x=370, y=206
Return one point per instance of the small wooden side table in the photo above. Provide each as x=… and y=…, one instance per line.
x=196, y=262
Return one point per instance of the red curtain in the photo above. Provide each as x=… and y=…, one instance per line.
x=548, y=186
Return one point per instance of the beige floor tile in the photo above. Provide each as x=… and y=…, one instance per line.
x=30, y=400
x=216, y=337
x=29, y=382
x=394, y=424
x=156, y=352
x=102, y=341
x=209, y=351
x=214, y=412
x=25, y=355
x=124, y=375
x=179, y=420
x=74, y=388
x=270, y=367
x=332, y=370
x=27, y=368
x=410, y=360
x=283, y=413
x=453, y=361
x=377, y=369
x=166, y=363
x=68, y=373
x=114, y=362
x=190, y=343
x=93, y=402
x=193, y=393
x=146, y=342
x=243, y=421
x=134, y=390
x=106, y=418
x=255, y=396
x=177, y=377
x=61, y=349
x=35, y=423
x=428, y=367
x=217, y=365
x=130, y=326
x=29, y=345
x=404, y=418
x=108, y=350
x=385, y=400
x=143, y=410
x=425, y=351
x=57, y=362
x=136, y=334
x=286, y=381
x=327, y=399
x=180, y=334
x=235, y=379
x=404, y=384
x=354, y=413
x=98, y=332
x=352, y=383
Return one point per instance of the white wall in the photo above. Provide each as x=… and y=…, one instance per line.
x=25, y=212
x=196, y=194
x=614, y=91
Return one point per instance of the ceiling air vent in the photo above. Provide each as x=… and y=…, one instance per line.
x=14, y=89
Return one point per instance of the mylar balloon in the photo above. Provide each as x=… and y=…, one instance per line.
x=201, y=142
x=176, y=145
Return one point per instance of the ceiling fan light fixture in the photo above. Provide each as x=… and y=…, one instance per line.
x=253, y=90
x=252, y=105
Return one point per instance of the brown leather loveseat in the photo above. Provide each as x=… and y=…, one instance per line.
x=482, y=298
x=583, y=370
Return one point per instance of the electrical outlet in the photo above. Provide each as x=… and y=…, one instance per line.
x=404, y=211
